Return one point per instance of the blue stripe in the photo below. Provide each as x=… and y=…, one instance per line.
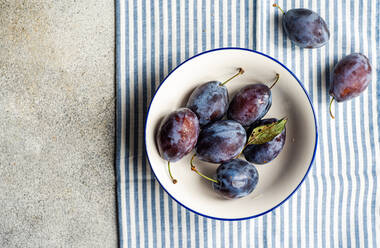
x=118, y=123
x=365, y=157
x=222, y=233
x=196, y=223
x=268, y=31
x=195, y=27
x=230, y=234
x=248, y=232
x=204, y=30
x=178, y=34
x=265, y=231
x=220, y=23
x=246, y=26
x=229, y=23
x=212, y=14
x=372, y=137
x=238, y=24
x=256, y=232
x=179, y=218
x=135, y=122
x=273, y=229
x=127, y=128
x=261, y=30
x=307, y=209
x=240, y=236
x=213, y=233
x=188, y=229
x=170, y=37
x=298, y=217
x=290, y=224
x=187, y=29
x=254, y=25
x=205, y=231
x=145, y=108
x=354, y=138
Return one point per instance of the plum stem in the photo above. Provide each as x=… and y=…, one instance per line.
x=276, y=80
x=276, y=5
x=241, y=71
x=245, y=146
x=195, y=169
x=331, y=114
x=170, y=174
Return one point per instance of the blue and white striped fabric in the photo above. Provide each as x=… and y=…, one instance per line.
x=337, y=206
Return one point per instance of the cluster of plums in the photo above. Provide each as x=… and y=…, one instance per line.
x=307, y=29
x=200, y=125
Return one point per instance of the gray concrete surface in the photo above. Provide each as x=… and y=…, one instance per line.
x=57, y=124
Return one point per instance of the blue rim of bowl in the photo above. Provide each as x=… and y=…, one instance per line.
x=308, y=169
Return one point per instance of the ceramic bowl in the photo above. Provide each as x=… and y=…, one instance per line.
x=280, y=178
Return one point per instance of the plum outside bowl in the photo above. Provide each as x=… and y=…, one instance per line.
x=279, y=179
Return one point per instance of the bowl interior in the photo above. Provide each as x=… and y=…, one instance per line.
x=277, y=179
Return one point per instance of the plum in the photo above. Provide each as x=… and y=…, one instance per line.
x=209, y=101
x=177, y=135
x=220, y=141
x=251, y=103
x=264, y=153
x=235, y=179
x=350, y=77
x=305, y=28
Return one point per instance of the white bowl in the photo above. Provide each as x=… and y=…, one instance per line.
x=279, y=179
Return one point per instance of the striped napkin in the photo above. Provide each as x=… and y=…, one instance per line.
x=338, y=205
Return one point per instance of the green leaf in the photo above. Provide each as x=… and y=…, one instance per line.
x=265, y=133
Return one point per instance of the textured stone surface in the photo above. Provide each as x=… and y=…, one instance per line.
x=57, y=180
